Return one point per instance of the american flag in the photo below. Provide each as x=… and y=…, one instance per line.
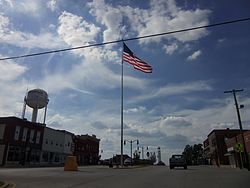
x=137, y=63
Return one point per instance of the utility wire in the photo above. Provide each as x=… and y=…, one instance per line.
x=129, y=39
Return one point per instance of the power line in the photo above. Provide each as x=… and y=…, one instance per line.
x=129, y=39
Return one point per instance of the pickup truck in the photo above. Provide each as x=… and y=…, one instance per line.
x=177, y=161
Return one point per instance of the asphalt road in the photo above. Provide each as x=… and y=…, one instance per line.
x=146, y=177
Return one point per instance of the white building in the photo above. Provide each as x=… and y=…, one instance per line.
x=57, y=144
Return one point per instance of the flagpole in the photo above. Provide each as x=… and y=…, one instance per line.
x=122, y=110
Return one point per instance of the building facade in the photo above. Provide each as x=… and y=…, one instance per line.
x=86, y=149
x=235, y=149
x=29, y=143
x=20, y=141
x=57, y=144
x=215, y=146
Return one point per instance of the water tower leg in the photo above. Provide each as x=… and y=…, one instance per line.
x=24, y=107
x=45, y=113
x=34, y=114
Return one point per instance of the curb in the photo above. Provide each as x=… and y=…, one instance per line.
x=4, y=185
x=8, y=185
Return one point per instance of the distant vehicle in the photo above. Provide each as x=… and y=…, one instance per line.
x=177, y=161
x=128, y=162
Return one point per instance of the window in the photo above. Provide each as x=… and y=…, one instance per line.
x=45, y=156
x=14, y=153
x=17, y=132
x=32, y=136
x=38, y=134
x=2, y=128
x=25, y=130
x=46, y=141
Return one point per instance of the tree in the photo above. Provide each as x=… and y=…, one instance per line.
x=193, y=154
x=188, y=150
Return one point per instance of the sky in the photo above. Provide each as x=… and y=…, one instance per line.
x=180, y=103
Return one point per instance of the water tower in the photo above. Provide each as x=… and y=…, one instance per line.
x=36, y=99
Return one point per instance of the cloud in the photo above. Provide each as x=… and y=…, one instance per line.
x=162, y=16
x=92, y=72
x=166, y=16
x=57, y=120
x=169, y=49
x=9, y=70
x=175, y=89
x=24, y=6
x=75, y=30
x=21, y=39
x=109, y=16
x=175, y=121
x=52, y=5
x=99, y=125
x=194, y=56
x=135, y=110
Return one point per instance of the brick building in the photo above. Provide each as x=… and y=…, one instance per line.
x=215, y=146
x=28, y=143
x=86, y=149
x=20, y=141
x=233, y=153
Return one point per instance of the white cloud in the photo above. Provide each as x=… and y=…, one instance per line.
x=10, y=71
x=92, y=72
x=135, y=110
x=51, y=4
x=13, y=88
x=23, y=6
x=28, y=40
x=165, y=16
x=6, y=3
x=169, y=49
x=175, y=89
x=162, y=16
x=194, y=56
x=110, y=17
x=75, y=30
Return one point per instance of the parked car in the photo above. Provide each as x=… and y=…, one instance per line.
x=177, y=161
x=128, y=162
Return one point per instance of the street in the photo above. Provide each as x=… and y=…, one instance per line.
x=152, y=176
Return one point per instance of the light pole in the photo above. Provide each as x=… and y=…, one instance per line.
x=142, y=149
x=131, y=147
x=234, y=91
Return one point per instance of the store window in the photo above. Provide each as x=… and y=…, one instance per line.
x=32, y=136
x=38, y=134
x=24, y=138
x=14, y=153
x=17, y=132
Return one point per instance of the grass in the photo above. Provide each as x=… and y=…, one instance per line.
x=1, y=183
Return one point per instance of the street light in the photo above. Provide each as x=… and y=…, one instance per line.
x=142, y=148
x=234, y=91
x=131, y=147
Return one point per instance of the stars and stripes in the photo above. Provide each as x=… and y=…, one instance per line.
x=137, y=63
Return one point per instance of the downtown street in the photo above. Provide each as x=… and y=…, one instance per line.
x=146, y=177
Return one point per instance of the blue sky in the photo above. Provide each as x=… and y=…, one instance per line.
x=178, y=104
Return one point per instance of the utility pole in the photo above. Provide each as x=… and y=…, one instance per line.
x=234, y=91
